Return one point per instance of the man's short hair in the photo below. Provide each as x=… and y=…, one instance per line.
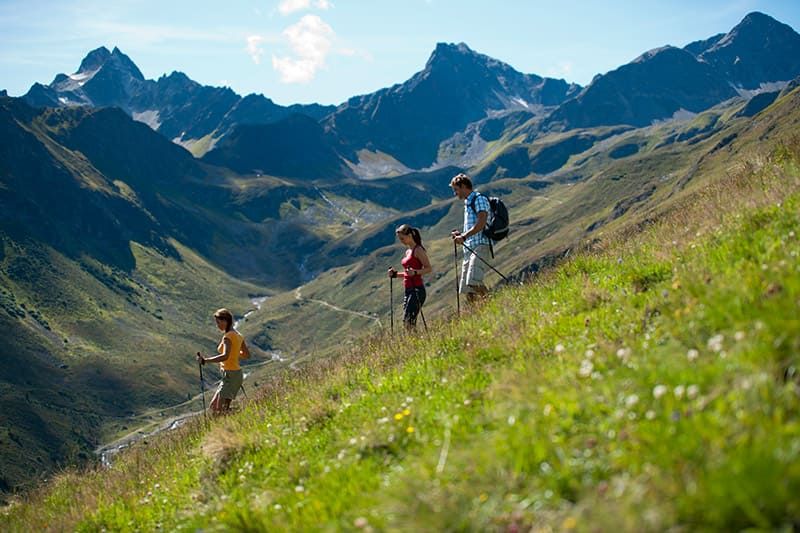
x=461, y=180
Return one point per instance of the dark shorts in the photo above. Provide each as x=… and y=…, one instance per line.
x=230, y=384
x=412, y=303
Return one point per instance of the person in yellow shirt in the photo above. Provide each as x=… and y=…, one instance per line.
x=230, y=348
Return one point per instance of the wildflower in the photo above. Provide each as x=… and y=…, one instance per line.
x=511, y=420
x=739, y=336
x=410, y=429
x=406, y=412
x=299, y=489
x=361, y=522
x=483, y=497
x=383, y=420
x=623, y=353
x=586, y=368
x=398, y=416
x=589, y=353
x=659, y=391
x=559, y=348
x=631, y=400
x=692, y=391
x=715, y=343
x=353, y=441
x=650, y=414
x=678, y=391
x=547, y=410
x=692, y=354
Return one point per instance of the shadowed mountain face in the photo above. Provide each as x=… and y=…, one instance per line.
x=457, y=86
x=758, y=50
x=174, y=105
x=654, y=86
x=296, y=146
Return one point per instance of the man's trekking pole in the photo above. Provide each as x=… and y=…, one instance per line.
x=455, y=269
x=243, y=392
x=202, y=390
x=391, y=304
x=484, y=261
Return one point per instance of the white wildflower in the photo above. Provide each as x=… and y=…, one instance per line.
x=586, y=368
x=650, y=414
x=299, y=488
x=692, y=354
x=715, y=343
x=692, y=391
x=589, y=353
x=559, y=348
x=659, y=391
x=739, y=336
x=631, y=400
x=679, y=391
x=624, y=353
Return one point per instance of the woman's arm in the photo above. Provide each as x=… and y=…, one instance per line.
x=422, y=255
x=245, y=351
x=226, y=348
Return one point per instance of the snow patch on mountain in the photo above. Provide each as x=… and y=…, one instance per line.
x=149, y=117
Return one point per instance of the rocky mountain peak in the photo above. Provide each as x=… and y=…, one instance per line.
x=94, y=59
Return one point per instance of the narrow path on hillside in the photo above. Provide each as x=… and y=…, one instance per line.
x=298, y=296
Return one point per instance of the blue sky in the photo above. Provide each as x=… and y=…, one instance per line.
x=302, y=51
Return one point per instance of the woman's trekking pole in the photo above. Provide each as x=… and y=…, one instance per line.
x=202, y=391
x=424, y=323
x=484, y=262
x=391, y=304
x=455, y=269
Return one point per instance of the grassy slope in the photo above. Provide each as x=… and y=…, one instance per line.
x=648, y=384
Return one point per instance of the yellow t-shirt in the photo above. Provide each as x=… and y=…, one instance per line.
x=232, y=363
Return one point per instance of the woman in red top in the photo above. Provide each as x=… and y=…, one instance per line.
x=415, y=265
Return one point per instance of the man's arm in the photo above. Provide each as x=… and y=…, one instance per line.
x=483, y=216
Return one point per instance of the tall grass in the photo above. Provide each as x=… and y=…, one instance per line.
x=650, y=383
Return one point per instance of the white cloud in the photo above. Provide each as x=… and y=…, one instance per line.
x=290, y=6
x=254, y=49
x=562, y=70
x=311, y=40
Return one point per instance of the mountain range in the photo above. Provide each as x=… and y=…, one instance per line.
x=132, y=207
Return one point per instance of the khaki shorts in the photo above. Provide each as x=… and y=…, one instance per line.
x=473, y=269
x=231, y=383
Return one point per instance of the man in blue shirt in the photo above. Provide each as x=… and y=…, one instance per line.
x=476, y=214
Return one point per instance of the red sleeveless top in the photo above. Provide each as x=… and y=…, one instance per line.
x=410, y=261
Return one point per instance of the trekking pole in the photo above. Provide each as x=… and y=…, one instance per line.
x=484, y=261
x=244, y=392
x=424, y=323
x=202, y=391
x=391, y=304
x=455, y=269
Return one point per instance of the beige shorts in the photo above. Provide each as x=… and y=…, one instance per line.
x=231, y=383
x=473, y=269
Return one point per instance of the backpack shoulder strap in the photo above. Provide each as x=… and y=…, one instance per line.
x=475, y=199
